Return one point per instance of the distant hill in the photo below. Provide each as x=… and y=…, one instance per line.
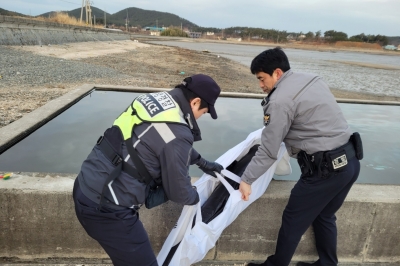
x=10, y=13
x=151, y=18
x=77, y=13
x=394, y=40
x=147, y=18
x=136, y=17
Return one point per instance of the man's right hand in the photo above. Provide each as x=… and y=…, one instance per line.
x=209, y=167
x=245, y=189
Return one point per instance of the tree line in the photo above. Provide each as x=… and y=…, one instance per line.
x=330, y=36
x=142, y=18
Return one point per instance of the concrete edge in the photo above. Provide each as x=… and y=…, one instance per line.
x=14, y=132
x=367, y=219
x=237, y=94
x=359, y=192
x=105, y=262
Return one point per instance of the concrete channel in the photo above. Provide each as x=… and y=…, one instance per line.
x=38, y=225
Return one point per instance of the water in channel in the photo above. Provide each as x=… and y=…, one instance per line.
x=61, y=145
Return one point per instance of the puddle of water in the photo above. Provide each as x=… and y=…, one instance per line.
x=61, y=145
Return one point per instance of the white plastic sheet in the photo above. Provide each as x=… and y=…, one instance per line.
x=197, y=241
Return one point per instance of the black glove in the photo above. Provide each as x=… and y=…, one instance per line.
x=209, y=167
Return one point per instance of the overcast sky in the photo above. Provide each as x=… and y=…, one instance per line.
x=349, y=16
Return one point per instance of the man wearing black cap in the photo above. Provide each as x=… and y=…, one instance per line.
x=143, y=159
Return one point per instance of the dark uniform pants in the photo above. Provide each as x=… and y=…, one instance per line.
x=314, y=200
x=120, y=233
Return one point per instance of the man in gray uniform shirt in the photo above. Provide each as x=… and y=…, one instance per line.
x=301, y=111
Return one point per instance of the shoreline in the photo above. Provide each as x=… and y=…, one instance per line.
x=34, y=75
x=299, y=46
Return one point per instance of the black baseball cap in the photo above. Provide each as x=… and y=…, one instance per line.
x=206, y=88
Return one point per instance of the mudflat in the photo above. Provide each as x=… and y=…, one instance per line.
x=31, y=76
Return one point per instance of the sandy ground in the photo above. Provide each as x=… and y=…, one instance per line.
x=130, y=63
x=73, y=51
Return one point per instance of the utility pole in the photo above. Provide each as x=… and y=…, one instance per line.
x=88, y=12
x=105, y=22
x=126, y=21
x=82, y=10
x=157, y=24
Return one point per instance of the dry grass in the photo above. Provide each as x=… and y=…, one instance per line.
x=64, y=18
x=358, y=45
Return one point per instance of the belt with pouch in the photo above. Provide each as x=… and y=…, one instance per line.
x=326, y=162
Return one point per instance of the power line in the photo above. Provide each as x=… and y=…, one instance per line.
x=69, y=2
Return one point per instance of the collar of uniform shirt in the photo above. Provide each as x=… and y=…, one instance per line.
x=265, y=101
x=285, y=75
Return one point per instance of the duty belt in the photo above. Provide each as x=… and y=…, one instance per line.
x=325, y=162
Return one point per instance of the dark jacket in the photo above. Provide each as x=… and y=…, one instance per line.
x=166, y=150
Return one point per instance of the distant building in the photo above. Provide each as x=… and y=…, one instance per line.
x=154, y=29
x=290, y=37
x=209, y=33
x=390, y=47
x=194, y=34
x=155, y=33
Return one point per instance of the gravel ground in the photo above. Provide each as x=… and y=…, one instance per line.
x=29, y=80
x=32, y=76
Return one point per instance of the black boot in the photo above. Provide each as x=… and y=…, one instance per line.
x=300, y=263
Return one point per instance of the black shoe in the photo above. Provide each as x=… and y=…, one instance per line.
x=300, y=263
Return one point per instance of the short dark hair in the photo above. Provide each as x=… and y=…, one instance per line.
x=269, y=60
x=190, y=95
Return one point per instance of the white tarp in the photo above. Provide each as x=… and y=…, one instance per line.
x=197, y=241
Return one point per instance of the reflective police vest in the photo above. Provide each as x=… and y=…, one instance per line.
x=157, y=107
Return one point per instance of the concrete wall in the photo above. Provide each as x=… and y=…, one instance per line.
x=19, y=31
x=37, y=220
